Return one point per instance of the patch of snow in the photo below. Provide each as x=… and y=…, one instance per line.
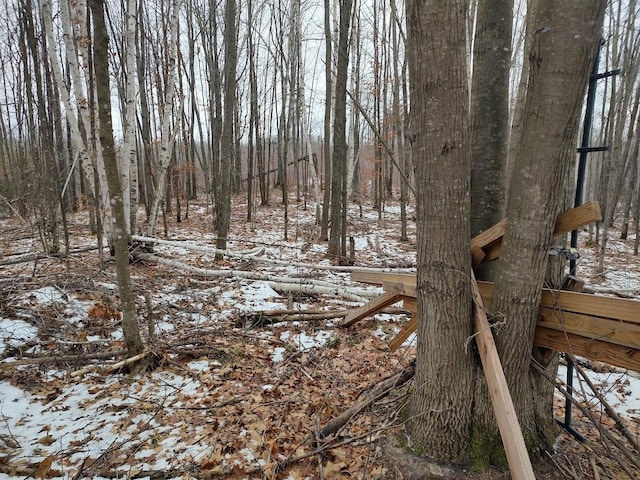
x=15, y=332
x=46, y=296
x=278, y=354
x=619, y=389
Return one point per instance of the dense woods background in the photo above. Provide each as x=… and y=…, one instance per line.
x=210, y=96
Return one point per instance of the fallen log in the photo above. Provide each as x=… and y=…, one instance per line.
x=294, y=285
x=64, y=358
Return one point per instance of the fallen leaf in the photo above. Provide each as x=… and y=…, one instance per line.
x=46, y=440
x=44, y=466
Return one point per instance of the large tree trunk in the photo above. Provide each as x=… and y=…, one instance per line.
x=326, y=143
x=441, y=407
x=121, y=239
x=566, y=36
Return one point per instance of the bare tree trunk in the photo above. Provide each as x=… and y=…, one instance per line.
x=337, y=237
x=167, y=136
x=490, y=112
x=130, y=326
x=565, y=40
x=326, y=144
x=223, y=209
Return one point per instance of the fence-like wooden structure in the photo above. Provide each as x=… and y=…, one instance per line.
x=596, y=327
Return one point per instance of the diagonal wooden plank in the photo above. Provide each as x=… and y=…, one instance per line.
x=512, y=439
x=378, y=303
x=566, y=222
x=404, y=333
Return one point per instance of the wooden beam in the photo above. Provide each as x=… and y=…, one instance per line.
x=512, y=439
x=404, y=333
x=621, y=309
x=375, y=278
x=378, y=303
x=597, y=328
x=410, y=304
x=406, y=289
x=566, y=222
x=597, y=350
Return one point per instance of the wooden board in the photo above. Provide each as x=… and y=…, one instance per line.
x=610, y=331
x=405, y=289
x=378, y=303
x=622, y=309
x=597, y=350
x=404, y=333
x=512, y=439
x=375, y=278
x=566, y=222
x=410, y=304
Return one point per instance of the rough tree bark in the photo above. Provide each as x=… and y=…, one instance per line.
x=490, y=112
x=441, y=409
x=337, y=240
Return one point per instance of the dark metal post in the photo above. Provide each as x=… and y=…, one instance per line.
x=584, y=150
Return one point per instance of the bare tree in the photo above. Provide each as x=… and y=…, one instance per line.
x=223, y=209
x=337, y=239
x=441, y=410
x=130, y=326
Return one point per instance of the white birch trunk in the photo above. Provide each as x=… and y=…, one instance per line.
x=73, y=16
x=128, y=160
x=168, y=137
x=77, y=142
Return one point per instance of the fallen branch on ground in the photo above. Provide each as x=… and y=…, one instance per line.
x=283, y=284
x=64, y=358
x=272, y=261
x=378, y=392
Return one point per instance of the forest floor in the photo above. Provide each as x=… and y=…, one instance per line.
x=238, y=388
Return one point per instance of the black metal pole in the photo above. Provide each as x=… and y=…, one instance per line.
x=584, y=150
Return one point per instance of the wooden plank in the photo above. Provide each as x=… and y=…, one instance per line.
x=623, y=309
x=490, y=236
x=512, y=439
x=598, y=350
x=577, y=217
x=375, y=278
x=610, y=331
x=566, y=222
x=404, y=333
x=406, y=289
x=378, y=303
